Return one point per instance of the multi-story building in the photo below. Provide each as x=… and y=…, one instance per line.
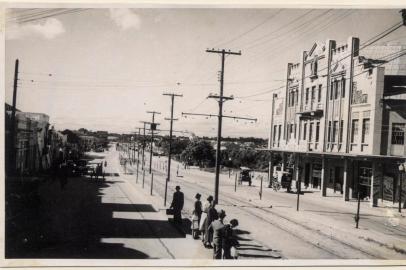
x=343, y=116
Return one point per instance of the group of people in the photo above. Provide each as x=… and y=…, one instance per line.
x=210, y=225
x=215, y=233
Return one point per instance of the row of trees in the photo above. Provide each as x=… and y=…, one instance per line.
x=200, y=152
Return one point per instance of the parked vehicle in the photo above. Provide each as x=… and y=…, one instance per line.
x=283, y=177
x=245, y=175
x=71, y=168
x=81, y=166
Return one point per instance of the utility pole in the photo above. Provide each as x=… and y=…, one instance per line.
x=153, y=127
x=143, y=145
x=172, y=95
x=12, y=147
x=221, y=98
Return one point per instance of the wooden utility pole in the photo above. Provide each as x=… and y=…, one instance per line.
x=152, y=127
x=143, y=145
x=13, y=134
x=170, y=141
x=221, y=98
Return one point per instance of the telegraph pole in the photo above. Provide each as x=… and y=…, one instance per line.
x=143, y=146
x=12, y=148
x=172, y=95
x=221, y=99
x=153, y=127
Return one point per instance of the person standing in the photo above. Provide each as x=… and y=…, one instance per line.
x=218, y=234
x=197, y=214
x=203, y=217
x=177, y=205
x=229, y=240
x=212, y=215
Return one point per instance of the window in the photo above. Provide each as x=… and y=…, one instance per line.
x=311, y=132
x=354, y=130
x=274, y=132
x=279, y=132
x=307, y=95
x=317, y=131
x=343, y=88
x=329, y=132
x=294, y=130
x=398, y=133
x=335, y=129
x=313, y=97
x=292, y=134
x=331, y=90
x=304, y=130
x=365, y=129
x=319, y=93
x=336, y=89
x=313, y=67
x=340, y=139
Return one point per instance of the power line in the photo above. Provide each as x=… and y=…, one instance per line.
x=250, y=29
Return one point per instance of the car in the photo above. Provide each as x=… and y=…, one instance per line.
x=81, y=166
x=71, y=168
x=245, y=175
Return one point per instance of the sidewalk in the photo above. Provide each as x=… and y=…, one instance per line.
x=90, y=219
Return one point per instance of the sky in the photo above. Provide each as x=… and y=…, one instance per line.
x=103, y=69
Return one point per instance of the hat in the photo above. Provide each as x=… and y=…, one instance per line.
x=177, y=187
x=198, y=195
x=222, y=213
x=210, y=198
x=234, y=222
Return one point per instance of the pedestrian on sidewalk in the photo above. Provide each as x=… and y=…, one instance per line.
x=197, y=214
x=177, y=205
x=63, y=175
x=212, y=215
x=230, y=241
x=218, y=234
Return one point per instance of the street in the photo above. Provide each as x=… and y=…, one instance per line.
x=322, y=229
x=283, y=127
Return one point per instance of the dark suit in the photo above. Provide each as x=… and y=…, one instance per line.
x=177, y=205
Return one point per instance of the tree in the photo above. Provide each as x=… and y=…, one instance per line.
x=199, y=152
x=178, y=145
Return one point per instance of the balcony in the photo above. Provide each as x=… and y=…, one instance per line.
x=312, y=109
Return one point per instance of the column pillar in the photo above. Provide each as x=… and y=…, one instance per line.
x=270, y=170
x=346, y=180
x=283, y=162
x=297, y=170
x=376, y=179
x=324, y=176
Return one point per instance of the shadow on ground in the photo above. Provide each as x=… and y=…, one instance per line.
x=44, y=220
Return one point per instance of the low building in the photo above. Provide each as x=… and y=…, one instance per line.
x=30, y=142
x=341, y=119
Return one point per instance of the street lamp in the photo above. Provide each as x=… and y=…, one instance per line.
x=401, y=171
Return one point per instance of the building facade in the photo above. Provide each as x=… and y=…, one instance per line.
x=342, y=117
